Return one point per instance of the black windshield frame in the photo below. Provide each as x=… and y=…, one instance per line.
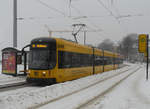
x=38, y=59
x=42, y=58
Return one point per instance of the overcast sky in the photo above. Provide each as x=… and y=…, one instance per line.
x=128, y=16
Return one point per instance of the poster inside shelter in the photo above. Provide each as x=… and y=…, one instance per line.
x=9, y=62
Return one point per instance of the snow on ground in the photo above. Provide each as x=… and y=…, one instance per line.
x=77, y=99
x=133, y=93
x=7, y=96
x=23, y=100
x=8, y=79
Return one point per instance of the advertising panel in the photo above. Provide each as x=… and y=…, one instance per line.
x=9, y=63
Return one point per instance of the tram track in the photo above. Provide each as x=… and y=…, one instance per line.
x=93, y=100
x=9, y=79
x=74, y=92
x=13, y=86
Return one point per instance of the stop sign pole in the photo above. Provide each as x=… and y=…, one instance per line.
x=147, y=58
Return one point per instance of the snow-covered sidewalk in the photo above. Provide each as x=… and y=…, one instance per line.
x=9, y=79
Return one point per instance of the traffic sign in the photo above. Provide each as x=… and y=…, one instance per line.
x=143, y=43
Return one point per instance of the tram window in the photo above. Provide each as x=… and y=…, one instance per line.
x=75, y=60
x=39, y=59
x=89, y=60
x=82, y=60
x=85, y=59
x=60, y=59
x=105, y=61
x=67, y=59
x=114, y=60
x=70, y=60
x=111, y=60
x=108, y=61
x=64, y=59
x=117, y=60
x=98, y=60
x=52, y=58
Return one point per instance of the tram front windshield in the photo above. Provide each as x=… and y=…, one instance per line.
x=41, y=59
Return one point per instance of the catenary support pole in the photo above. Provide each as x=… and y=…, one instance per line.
x=147, y=58
x=84, y=37
x=15, y=23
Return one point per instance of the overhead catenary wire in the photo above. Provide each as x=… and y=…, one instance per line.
x=78, y=11
x=102, y=4
x=87, y=19
x=115, y=8
x=111, y=13
x=70, y=5
x=51, y=30
x=70, y=17
x=119, y=17
x=50, y=7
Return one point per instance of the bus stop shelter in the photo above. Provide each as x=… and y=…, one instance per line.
x=11, y=58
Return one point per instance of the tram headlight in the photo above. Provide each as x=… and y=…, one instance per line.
x=44, y=72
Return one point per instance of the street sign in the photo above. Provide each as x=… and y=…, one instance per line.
x=143, y=43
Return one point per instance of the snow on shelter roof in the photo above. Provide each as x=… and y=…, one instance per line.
x=11, y=49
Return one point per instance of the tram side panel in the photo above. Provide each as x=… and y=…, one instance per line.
x=73, y=61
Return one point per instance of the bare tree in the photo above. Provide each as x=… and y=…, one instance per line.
x=128, y=46
x=107, y=44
